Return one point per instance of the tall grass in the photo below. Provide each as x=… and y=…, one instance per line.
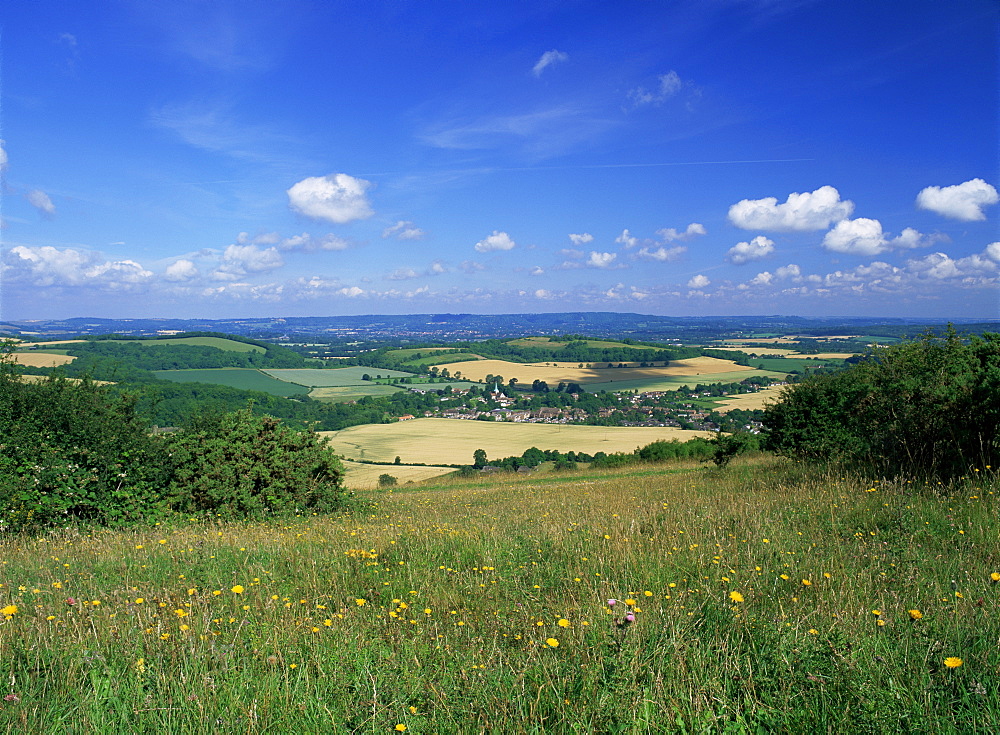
x=761, y=598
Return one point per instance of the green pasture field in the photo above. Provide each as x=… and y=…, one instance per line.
x=453, y=441
x=219, y=343
x=329, y=378
x=764, y=598
x=407, y=353
x=787, y=364
x=348, y=393
x=243, y=378
x=673, y=383
x=443, y=359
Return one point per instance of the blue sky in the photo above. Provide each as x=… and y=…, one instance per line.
x=226, y=159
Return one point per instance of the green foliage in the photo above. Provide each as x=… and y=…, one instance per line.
x=928, y=408
x=238, y=464
x=728, y=446
x=70, y=450
x=387, y=480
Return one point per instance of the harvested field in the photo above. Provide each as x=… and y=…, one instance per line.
x=348, y=393
x=41, y=359
x=453, y=441
x=569, y=373
x=365, y=476
x=751, y=401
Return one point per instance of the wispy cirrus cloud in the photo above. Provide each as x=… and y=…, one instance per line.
x=549, y=58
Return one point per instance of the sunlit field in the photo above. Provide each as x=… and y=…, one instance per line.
x=662, y=599
x=453, y=441
x=41, y=359
x=569, y=373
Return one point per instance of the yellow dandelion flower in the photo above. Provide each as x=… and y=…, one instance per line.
x=953, y=662
x=813, y=631
x=237, y=589
x=876, y=613
x=995, y=577
x=630, y=602
x=784, y=577
x=9, y=610
x=806, y=583
x=552, y=642
x=915, y=614
x=360, y=601
x=400, y=727
x=139, y=600
x=563, y=623
x=736, y=597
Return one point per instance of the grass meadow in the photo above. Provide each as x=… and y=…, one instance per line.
x=243, y=378
x=760, y=598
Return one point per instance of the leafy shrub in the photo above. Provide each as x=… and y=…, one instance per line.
x=70, y=450
x=928, y=408
x=236, y=465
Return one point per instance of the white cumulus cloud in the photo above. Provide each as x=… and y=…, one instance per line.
x=548, y=59
x=581, y=239
x=336, y=198
x=601, y=260
x=496, y=241
x=626, y=239
x=993, y=251
x=744, y=252
x=669, y=234
x=788, y=271
x=963, y=201
x=806, y=211
x=863, y=236
x=403, y=230
x=40, y=201
x=181, y=270
x=661, y=253
x=3, y=156
x=240, y=260
x=698, y=281
x=49, y=266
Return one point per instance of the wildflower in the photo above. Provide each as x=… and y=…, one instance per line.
x=630, y=602
x=736, y=597
x=552, y=642
x=360, y=601
x=400, y=727
x=612, y=603
x=876, y=613
x=139, y=600
x=784, y=577
x=563, y=623
x=953, y=662
x=9, y=610
x=915, y=614
x=806, y=583
x=813, y=631
x=237, y=589
x=995, y=577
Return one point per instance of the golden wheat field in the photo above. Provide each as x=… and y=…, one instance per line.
x=477, y=370
x=751, y=401
x=453, y=441
x=359, y=476
x=41, y=359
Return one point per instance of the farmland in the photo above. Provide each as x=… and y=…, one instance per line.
x=41, y=359
x=590, y=343
x=450, y=441
x=336, y=377
x=705, y=369
x=243, y=378
x=219, y=343
x=360, y=476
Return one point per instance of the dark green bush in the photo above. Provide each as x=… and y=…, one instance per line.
x=236, y=465
x=70, y=451
x=928, y=408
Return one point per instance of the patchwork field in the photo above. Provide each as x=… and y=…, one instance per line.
x=597, y=344
x=675, y=382
x=569, y=373
x=316, y=378
x=453, y=441
x=365, y=476
x=243, y=378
